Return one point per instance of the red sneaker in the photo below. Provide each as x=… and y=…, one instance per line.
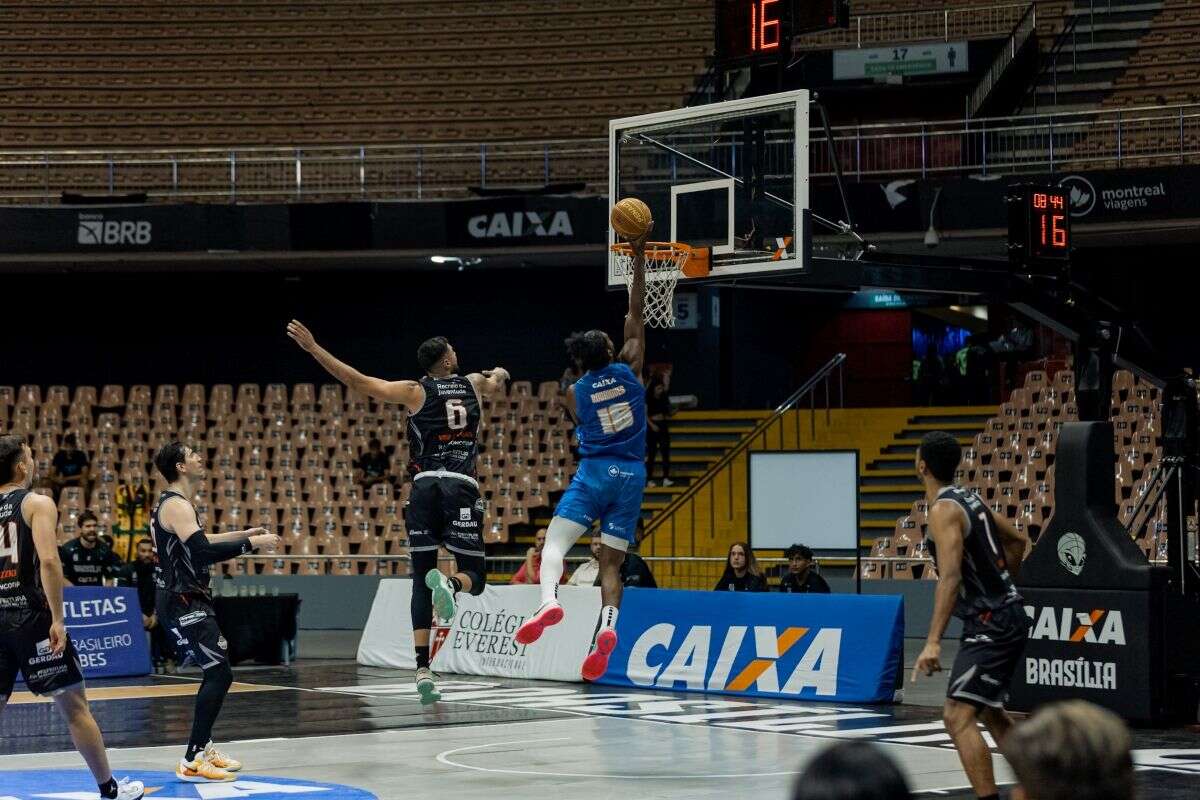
x=550, y=613
x=596, y=664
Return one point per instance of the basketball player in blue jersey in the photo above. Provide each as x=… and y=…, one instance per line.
x=609, y=405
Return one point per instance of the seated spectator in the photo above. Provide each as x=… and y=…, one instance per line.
x=588, y=573
x=1071, y=751
x=801, y=577
x=140, y=574
x=70, y=465
x=635, y=572
x=742, y=573
x=851, y=771
x=87, y=560
x=531, y=570
x=373, y=466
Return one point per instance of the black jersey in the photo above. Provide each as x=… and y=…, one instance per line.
x=442, y=436
x=176, y=573
x=88, y=566
x=21, y=595
x=986, y=584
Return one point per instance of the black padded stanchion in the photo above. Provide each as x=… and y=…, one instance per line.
x=1099, y=608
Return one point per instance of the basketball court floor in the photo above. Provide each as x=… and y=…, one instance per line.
x=339, y=730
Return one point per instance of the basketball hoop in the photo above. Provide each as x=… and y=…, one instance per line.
x=664, y=264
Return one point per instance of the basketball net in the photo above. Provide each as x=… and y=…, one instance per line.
x=664, y=265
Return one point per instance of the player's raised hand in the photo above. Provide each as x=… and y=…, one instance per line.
x=301, y=335
x=639, y=244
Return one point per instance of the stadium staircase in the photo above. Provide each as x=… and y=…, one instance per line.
x=1083, y=64
x=712, y=514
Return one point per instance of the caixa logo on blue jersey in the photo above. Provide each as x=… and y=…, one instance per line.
x=761, y=658
x=64, y=784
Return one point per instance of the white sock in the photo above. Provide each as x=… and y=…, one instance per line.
x=560, y=537
x=608, y=617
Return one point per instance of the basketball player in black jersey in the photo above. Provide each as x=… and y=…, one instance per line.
x=33, y=633
x=445, y=508
x=977, y=554
x=183, y=603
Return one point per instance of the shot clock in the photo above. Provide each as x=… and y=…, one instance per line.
x=749, y=31
x=1039, y=229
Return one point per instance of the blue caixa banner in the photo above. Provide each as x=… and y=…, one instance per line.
x=106, y=626
x=843, y=648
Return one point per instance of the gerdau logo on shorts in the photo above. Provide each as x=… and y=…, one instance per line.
x=763, y=658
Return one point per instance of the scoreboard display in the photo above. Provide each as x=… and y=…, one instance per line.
x=753, y=30
x=1039, y=229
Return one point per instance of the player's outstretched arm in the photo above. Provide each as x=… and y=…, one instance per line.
x=633, y=352
x=406, y=393
x=490, y=382
x=946, y=530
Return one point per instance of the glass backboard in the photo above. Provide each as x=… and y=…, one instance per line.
x=728, y=177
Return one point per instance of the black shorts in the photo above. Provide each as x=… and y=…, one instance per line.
x=992, y=646
x=445, y=511
x=192, y=625
x=28, y=649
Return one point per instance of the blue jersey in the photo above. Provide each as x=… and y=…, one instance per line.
x=610, y=404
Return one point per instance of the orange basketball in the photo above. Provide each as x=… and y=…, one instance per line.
x=631, y=218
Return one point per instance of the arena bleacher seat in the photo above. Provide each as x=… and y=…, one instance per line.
x=283, y=457
x=1011, y=466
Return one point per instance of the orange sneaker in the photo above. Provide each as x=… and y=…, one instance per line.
x=200, y=771
x=219, y=760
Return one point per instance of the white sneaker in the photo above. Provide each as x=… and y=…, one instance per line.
x=426, y=687
x=219, y=760
x=668, y=482
x=130, y=790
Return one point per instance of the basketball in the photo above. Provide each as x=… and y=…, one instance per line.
x=631, y=218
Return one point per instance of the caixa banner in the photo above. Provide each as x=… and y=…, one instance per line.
x=1099, y=646
x=843, y=648
x=106, y=626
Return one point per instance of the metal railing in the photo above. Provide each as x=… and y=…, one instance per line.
x=999, y=145
x=1021, y=35
x=701, y=497
x=916, y=26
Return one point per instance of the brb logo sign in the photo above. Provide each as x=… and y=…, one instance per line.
x=758, y=659
x=94, y=229
x=72, y=784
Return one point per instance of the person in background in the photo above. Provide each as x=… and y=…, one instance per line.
x=1071, y=750
x=70, y=465
x=144, y=564
x=531, y=570
x=801, y=577
x=658, y=430
x=742, y=573
x=587, y=572
x=132, y=502
x=574, y=370
x=635, y=573
x=851, y=771
x=373, y=466
x=86, y=560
